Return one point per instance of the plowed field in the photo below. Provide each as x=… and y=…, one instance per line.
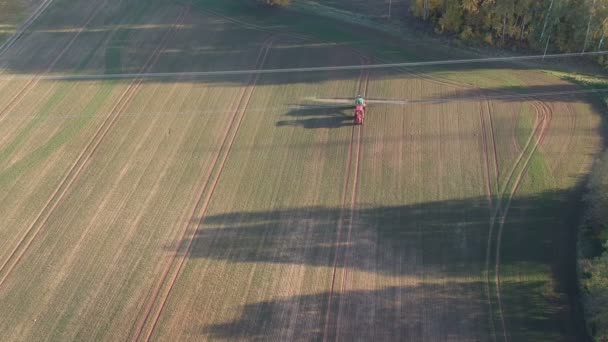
x=248, y=206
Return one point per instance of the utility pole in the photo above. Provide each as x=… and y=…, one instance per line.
x=588, y=27
x=547, y=46
x=390, y=3
x=546, y=20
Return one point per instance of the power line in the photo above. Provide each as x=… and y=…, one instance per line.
x=192, y=74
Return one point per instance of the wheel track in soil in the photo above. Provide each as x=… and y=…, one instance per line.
x=126, y=239
x=490, y=107
x=484, y=142
x=489, y=191
x=515, y=122
x=353, y=204
x=202, y=203
x=569, y=137
x=339, y=228
x=31, y=83
x=491, y=207
x=104, y=42
x=493, y=218
x=543, y=120
x=356, y=135
x=81, y=161
x=26, y=24
x=17, y=35
x=76, y=248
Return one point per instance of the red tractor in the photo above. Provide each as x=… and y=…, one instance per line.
x=359, y=109
x=359, y=114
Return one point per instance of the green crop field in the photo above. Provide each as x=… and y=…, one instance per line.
x=247, y=206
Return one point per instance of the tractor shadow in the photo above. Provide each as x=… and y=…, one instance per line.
x=319, y=116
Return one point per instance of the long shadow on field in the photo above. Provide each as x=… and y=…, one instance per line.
x=316, y=116
x=434, y=312
x=441, y=242
x=558, y=92
x=121, y=38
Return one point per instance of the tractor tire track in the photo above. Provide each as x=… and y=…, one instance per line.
x=570, y=136
x=77, y=247
x=488, y=184
x=103, y=43
x=515, y=122
x=353, y=201
x=495, y=215
x=546, y=120
x=26, y=24
x=493, y=218
x=352, y=214
x=342, y=215
x=484, y=141
x=490, y=107
x=201, y=206
x=82, y=160
x=543, y=120
x=127, y=239
x=548, y=114
x=31, y=83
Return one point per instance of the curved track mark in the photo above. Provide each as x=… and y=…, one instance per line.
x=78, y=166
x=495, y=216
x=542, y=133
x=202, y=202
x=543, y=121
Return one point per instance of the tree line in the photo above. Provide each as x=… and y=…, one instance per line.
x=593, y=252
x=544, y=25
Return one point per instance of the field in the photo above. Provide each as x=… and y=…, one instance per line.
x=246, y=206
